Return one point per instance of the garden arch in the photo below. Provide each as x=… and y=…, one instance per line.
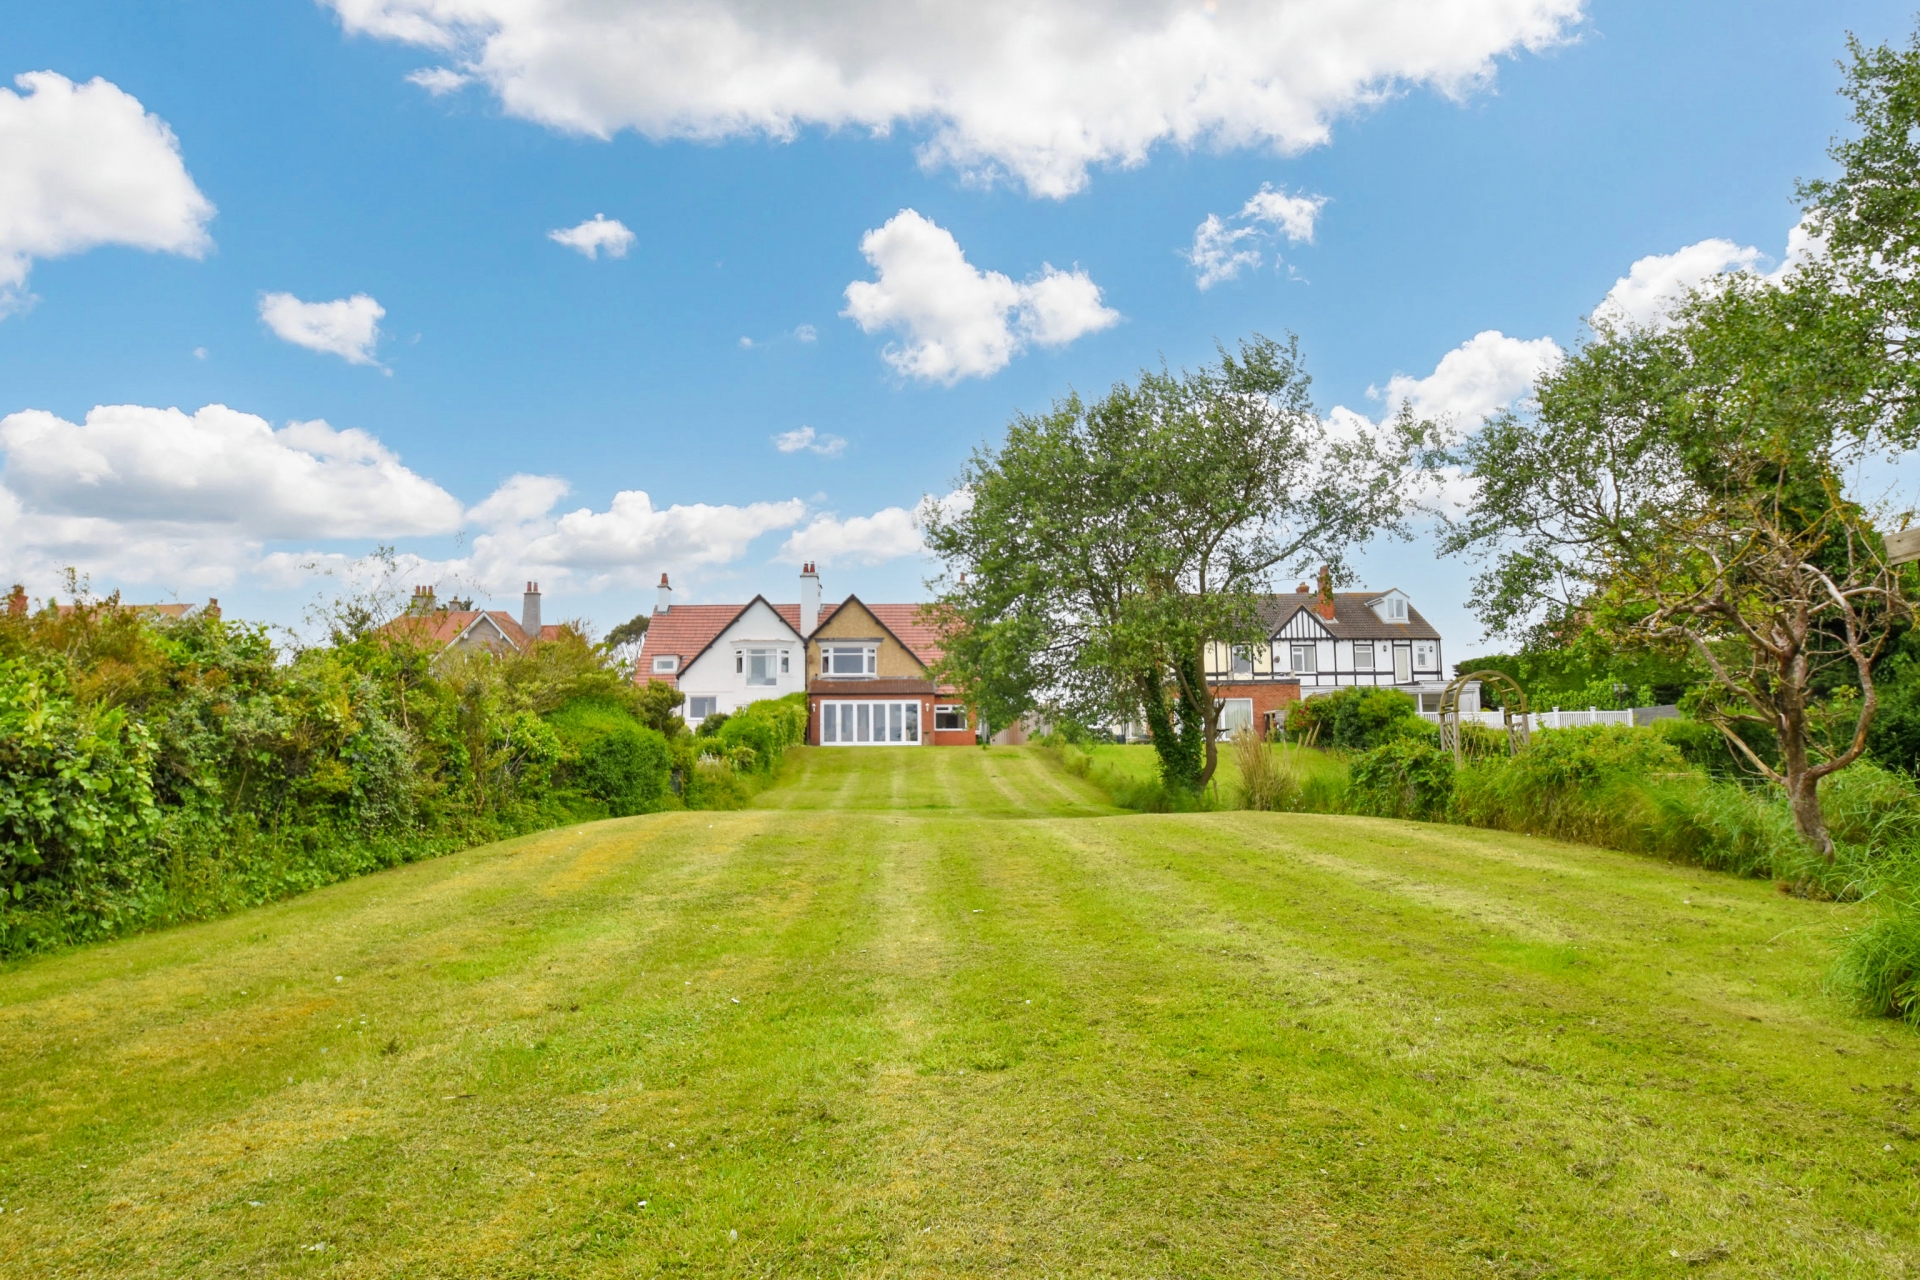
x=1513, y=700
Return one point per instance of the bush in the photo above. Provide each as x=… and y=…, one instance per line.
x=1357, y=718
x=1880, y=965
x=626, y=769
x=1405, y=778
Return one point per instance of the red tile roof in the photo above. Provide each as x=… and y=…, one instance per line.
x=685, y=630
x=443, y=626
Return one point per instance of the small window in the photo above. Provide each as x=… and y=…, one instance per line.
x=1430, y=702
x=666, y=664
x=1305, y=661
x=1426, y=656
x=783, y=662
x=701, y=708
x=1363, y=656
x=1236, y=715
x=760, y=667
x=949, y=716
x=1242, y=660
x=1396, y=608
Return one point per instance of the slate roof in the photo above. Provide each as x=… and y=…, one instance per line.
x=1352, y=619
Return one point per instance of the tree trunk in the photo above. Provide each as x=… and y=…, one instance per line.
x=1179, y=758
x=1803, y=792
x=1199, y=724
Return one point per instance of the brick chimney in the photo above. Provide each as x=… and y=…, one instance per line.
x=1303, y=588
x=665, y=602
x=1323, y=600
x=809, y=599
x=17, y=602
x=530, y=611
x=423, y=601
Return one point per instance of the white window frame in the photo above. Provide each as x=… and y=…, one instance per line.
x=901, y=717
x=694, y=702
x=1237, y=654
x=743, y=660
x=949, y=709
x=1235, y=713
x=666, y=664
x=1426, y=655
x=869, y=662
x=1312, y=652
x=1363, y=655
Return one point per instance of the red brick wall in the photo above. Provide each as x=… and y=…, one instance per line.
x=1267, y=696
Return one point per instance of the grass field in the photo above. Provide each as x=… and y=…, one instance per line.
x=947, y=1013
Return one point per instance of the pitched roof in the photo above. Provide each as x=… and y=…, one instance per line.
x=688, y=630
x=1352, y=619
x=443, y=627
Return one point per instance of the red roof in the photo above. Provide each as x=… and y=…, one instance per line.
x=685, y=630
x=443, y=626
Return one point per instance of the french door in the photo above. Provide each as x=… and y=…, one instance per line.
x=869, y=724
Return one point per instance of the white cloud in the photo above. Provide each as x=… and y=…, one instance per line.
x=85, y=165
x=1223, y=248
x=633, y=537
x=959, y=321
x=438, y=80
x=346, y=327
x=806, y=333
x=595, y=234
x=1476, y=379
x=521, y=499
x=811, y=441
x=1658, y=281
x=891, y=533
x=130, y=463
x=1038, y=89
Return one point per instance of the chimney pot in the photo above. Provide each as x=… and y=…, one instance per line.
x=809, y=600
x=665, y=600
x=530, y=611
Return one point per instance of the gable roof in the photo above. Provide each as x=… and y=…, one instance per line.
x=445, y=627
x=1352, y=619
x=902, y=622
x=688, y=630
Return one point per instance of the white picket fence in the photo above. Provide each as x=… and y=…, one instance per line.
x=1554, y=719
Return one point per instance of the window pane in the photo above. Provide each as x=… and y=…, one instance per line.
x=829, y=723
x=913, y=722
x=873, y=656
x=863, y=736
x=893, y=722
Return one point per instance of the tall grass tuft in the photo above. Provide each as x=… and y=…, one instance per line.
x=1263, y=787
x=1880, y=965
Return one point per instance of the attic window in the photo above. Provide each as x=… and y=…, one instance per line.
x=666, y=664
x=1396, y=609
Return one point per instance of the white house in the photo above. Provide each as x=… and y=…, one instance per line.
x=724, y=656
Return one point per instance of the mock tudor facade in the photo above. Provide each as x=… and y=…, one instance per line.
x=1319, y=641
x=866, y=668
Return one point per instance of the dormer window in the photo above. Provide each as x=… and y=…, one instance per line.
x=666, y=664
x=1391, y=607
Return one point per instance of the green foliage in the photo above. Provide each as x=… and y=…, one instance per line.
x=1108, y=542
x=1356, y=718
x=156, y=770
x=1403, y=778
x=656, y=706
x=711, y=725
x=1585, y=675
x=627, y=769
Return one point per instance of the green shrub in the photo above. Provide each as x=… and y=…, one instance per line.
x=1879, y=967
x=1357, y=718
x=1407, y=777
x=626, y=769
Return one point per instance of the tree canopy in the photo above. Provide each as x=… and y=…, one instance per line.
x=1107, y=542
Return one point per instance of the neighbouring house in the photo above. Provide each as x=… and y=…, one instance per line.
x=1321, y=640
x=866, y=668
x=458, y=625
x=18, y=604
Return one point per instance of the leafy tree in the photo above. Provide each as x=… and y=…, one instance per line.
x=1682, y=488
x=656, y=704
x=1108, y=542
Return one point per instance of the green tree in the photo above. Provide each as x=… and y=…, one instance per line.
x=1106, y=543
x=1683, y=488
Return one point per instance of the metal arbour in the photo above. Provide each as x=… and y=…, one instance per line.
x=1513, y=700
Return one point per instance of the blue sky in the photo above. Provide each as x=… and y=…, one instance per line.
x=1448, y=205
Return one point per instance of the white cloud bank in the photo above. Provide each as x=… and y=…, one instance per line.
x=1036, y=89
x=595, y=234
x=1655, y=283
x=152, y=497
x=83, y=165
x=807, y=440
x=1224, y=247
x=958, y=321
x=346, y=327
x=1475, y=380
x=891, y=533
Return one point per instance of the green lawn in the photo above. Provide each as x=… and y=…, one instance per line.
x=944, y=1012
